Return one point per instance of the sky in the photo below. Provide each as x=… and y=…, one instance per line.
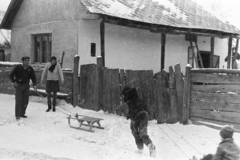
x=231, y=8
x=4, y=4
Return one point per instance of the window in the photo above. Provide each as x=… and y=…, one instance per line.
x=42, y=47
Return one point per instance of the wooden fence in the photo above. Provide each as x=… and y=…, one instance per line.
x=215, y=96
x=6, y=86
x=100, y=89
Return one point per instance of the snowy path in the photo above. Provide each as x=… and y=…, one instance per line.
x=47, y=136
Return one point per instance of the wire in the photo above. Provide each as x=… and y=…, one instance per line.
x=184, y=140
x=174, y=142
x=63, y=112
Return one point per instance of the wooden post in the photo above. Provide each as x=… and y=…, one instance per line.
x=99, y=83
x=62, y=57
x=212, y=51
x=229, y=53
x=102, y=37
x=173, y=97
x=236, y=53
x=186, y=95
x=163, y=42
x=75, y=81
x=179, y=87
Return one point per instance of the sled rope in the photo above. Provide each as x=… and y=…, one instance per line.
x=184, y=140
x=174, y=142
x=63, y=112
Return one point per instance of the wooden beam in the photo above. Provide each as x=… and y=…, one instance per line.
x=102, y=37
x=212, y=51
x=163, y=42
x=229, y=53
x=236, y=53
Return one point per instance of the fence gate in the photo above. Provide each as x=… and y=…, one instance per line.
x=215, y=96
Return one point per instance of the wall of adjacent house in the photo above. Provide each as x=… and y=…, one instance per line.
x=73, y=31
x=46, y=16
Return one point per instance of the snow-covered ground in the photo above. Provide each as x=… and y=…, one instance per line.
x=10, y=63
x=47, y=136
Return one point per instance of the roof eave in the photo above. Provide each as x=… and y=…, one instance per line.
x=10, y=15
x=166, y=29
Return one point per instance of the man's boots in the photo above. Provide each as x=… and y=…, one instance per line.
x=152, y=150
x=49, y=107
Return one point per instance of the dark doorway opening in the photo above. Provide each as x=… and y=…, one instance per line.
x=205, y=59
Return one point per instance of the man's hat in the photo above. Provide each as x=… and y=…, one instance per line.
x=25, y=57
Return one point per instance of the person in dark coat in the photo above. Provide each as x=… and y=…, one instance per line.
x=20, y=77
x=227, y=149
x=54, y=73
x=138, y=114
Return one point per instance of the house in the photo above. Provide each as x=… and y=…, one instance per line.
x=128, y=34
x=5, y=37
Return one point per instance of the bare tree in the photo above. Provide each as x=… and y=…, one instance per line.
x=219, y=7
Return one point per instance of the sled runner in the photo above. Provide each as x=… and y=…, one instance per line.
x=90, y=121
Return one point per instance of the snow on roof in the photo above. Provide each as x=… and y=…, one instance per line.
x=175, y=13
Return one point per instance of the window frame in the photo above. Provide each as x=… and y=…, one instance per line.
x=48, y=51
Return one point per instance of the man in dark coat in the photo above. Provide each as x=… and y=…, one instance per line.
x=227, y=149
x=20, y=77
x=138, y=113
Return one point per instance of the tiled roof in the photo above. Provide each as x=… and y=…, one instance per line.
x=175, y=13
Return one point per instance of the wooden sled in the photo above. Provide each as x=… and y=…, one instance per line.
x=90, y=121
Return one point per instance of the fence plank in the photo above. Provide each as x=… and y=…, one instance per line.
x=88, y=78
x=99, y=84
x=179, y=86
x=124, y=108
x=186, y=95
x=204, y=105
x=166, y=95
x=173, y=97
x=110, y=92
x=219, y=97
x=116, y=92
x=215, y=78
x=128, y=78
x=158, y=90
x=216, y=70
x=149, y=90
x=228, y=117
x=75, y=81
x=105, y=90
x=217, y=88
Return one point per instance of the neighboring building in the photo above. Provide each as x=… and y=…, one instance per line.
x=5, y=36
x=128, y=34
